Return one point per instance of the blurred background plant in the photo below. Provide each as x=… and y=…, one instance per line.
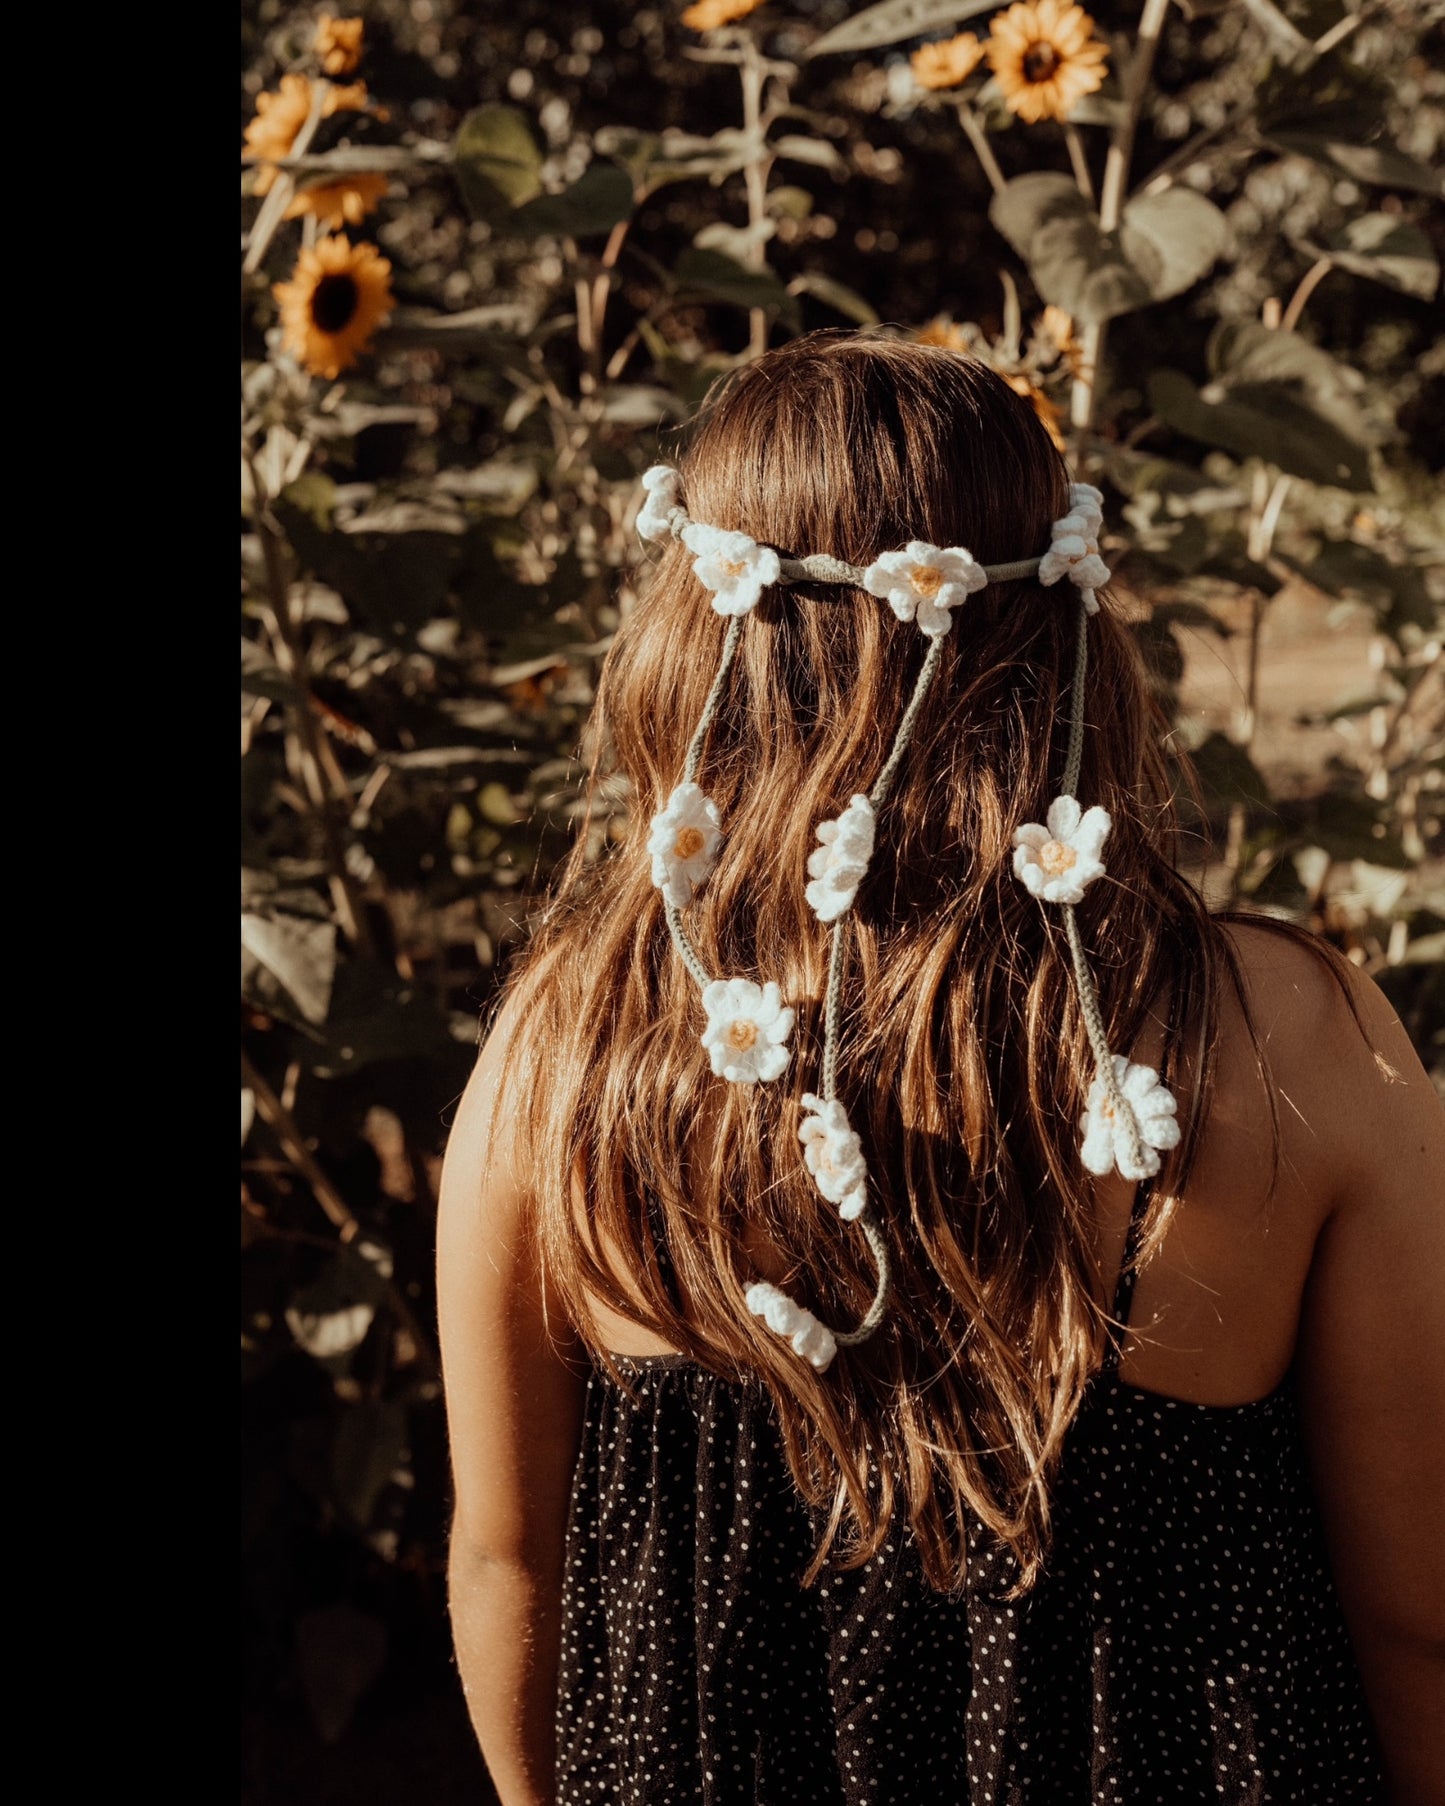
x=492, y=258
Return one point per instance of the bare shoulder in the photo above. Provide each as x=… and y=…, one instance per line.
x=1355, y=1098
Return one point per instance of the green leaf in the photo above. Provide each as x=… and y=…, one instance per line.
x=893, y=20
x=1386, y=249
x=498, y=162
x=1245, y=352
x=598, y=200
x=1378, y=165
x=1264, y=420
x=717, y=277
x=1165, y=243
x=836, y=295
x=815, y=151
x=288, y=964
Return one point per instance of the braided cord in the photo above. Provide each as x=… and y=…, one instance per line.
x=714, y=701
x=1089, y=1005
x=878, y=1310
x=927, y=671
x=686, y=951
x=1074, y=757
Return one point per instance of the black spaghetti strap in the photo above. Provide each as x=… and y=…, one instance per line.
x=1128, y=1274
x=1143, y=1194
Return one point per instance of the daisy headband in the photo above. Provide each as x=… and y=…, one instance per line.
x=1129, y=1116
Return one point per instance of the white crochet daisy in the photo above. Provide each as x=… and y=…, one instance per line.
x=1059, y=861
x=734, y=567
x=925, y=584
x=747, y=1028
x=683, y=843
x=813, y=1340
x=838, y=864
x=1106, y=1141
x=662, y=484
x=834, y=1155
x=1074, y=546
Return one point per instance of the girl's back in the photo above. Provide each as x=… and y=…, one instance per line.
x=1035, y=1577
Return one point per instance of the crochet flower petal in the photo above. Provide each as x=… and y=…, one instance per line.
x=732, y=565
x=813, y=1340
x=1089, y=836
x=1063, y=817
x=683, y=842
x=839, y=864
x=747, y=1030
x=663, y=487
x=925, y=583
x=1107, y=1143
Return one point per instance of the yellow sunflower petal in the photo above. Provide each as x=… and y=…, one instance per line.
x=710, y=15
x=946, y=64
x=338, y=43
x=345, y=202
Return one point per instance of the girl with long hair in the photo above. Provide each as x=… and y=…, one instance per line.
x=986, y=1345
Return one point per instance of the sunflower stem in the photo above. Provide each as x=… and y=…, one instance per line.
x=1111, y=203
x=978, y=138
x=278, y=199
x=1074, y=140
x=755, y=177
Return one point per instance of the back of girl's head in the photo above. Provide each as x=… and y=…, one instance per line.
x=964, y=1060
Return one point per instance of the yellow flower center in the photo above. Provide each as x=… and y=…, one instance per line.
x=690, y=842
x=731, y=567
x=926, y=580
x=742, y=1034
x=1040, y=62
x=1106, y=1109
x=1056, y=858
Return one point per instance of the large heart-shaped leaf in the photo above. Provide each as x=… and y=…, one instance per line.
x=497, y=160
x=1165, y=242
x=893, y=20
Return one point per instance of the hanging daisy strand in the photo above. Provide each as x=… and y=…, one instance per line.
x=749, y=1025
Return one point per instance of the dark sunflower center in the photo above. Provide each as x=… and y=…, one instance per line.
x=334, y=303
x=1040, y=62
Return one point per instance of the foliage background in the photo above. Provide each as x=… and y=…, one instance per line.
x=435, y=552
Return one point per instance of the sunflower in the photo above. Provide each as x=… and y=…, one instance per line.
x=342, y=203
x=338, y=295
x=946, y=64
x=338, y=43
x=1043, y=58
x=708, y=15
x=280, y=116
x=1048, y=411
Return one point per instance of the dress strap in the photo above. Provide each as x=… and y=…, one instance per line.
x=1128, y=1274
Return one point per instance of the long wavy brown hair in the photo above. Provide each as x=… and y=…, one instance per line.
x=663, y=1191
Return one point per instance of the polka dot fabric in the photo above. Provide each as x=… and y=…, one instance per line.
x=1185, y=1643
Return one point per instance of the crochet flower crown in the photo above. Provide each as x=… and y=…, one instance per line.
x=1129, y=1117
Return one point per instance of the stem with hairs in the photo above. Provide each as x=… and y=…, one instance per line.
x=1111, y=202
x=978, y=138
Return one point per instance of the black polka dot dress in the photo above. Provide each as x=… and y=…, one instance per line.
x=1185, y=1643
